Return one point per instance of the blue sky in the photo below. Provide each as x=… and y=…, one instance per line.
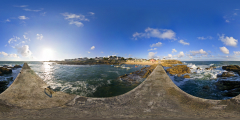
x=186, y=30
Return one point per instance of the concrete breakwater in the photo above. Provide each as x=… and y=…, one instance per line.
x=156, y=97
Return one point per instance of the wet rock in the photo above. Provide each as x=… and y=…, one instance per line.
x=234, y=68
x=198, y=68
x=5, y=66
x=179, y=75
x=179, y=69
x=232, y=93
x=4, y=70
x=17, y=66
x=3, y=86
x=206, y=87
x=227, y=85
x=225, y=74
x=186, y=76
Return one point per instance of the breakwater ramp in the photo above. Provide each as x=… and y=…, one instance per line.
x=157, y=97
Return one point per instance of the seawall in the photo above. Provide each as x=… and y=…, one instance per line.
x=156, y=97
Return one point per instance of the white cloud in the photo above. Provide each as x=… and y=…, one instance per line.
x=77, y=23
x=75, y=19
x=89, y=52
x=13, y=39
x=93, y=47
x=20, y=6
x=203, y=38
x=152, y=55
x=181, y=54
x=156, y=33
x=3, y=53
x=201, y=51
x=91, y=13
x=235, y=14
x=227, y=21
x=229, y=41
x=14, y=55
x=224, y=50
x=43, y=14
x=24, y=51
x=39, y=36
x=182, y=42
x=152, y=49
x=170, y=56
x=156, y=44
x=74, y=16
x=7, y=20
x=236, y=52
x=174, y=50
x=25, y=37
x=33, y=10
x=23, y=17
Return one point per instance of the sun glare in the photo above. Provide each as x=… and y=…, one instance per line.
x=47, y=54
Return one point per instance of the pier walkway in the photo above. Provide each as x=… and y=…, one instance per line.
x=157, y=97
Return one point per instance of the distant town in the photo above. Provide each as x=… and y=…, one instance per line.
x=109, y=58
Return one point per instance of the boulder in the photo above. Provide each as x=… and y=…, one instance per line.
x=206, y=87
x=210, y=68
x=232, y=93
x=1, y=73
x=225, y=74
x=198, y=68
x=5, y=70
x=179, y=69
x=17, y=66
x=186, y=76
x=234, y=68
x=227, y=85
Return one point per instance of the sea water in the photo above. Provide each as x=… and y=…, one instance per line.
x=194, y=85
x=84, y=80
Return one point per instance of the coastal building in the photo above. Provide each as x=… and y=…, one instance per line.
x=67, y=59
x=153, y=60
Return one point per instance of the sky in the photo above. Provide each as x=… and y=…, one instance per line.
x=186, y=30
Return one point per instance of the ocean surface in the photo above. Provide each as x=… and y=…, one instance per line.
x=194, y=85
x=84, y=80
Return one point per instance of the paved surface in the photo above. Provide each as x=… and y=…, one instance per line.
x=157, y=97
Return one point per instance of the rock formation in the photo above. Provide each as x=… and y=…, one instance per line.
x=179, y=69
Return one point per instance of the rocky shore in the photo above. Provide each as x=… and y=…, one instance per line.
x=137, y=76
x=5, y=69
x=230, y=88
x=92, y=62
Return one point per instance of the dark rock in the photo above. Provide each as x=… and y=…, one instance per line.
x=232, y=93
x=206, y=87
x=5, y=66
x=198, y=68
x=227, y=85
x=234, y=68
x=17, y=66
x=227, y=74
x=1, y=73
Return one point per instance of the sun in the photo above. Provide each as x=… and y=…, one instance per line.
x=47, y=54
